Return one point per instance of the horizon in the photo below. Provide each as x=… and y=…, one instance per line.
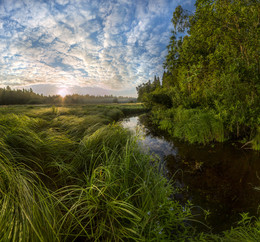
x=95, y=48
x=63, y=94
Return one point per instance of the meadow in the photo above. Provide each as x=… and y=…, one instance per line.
x=71, y=173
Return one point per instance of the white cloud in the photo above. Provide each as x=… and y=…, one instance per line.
x=62, y=2
x=112, y=44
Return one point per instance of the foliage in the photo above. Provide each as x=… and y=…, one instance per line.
x=256, y=140
x=193, y=125
x=213, y=64
x=145, y=89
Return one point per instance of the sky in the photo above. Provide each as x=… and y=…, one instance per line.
x=96, y=47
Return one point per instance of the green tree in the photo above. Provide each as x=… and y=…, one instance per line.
x=213, y=63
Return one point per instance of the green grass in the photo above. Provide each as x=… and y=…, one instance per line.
x=27, y=211
x=71, y=173
x=256, y=140
x=248, y=229
x=192, y=125
x=122, y=196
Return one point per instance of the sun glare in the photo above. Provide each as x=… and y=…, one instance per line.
x=63, y=92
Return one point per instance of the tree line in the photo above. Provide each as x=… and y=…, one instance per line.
x=10, y=96
x=212, y=67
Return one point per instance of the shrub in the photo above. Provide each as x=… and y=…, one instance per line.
x=193, y=125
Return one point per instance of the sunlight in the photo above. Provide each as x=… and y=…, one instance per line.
x=63, y=92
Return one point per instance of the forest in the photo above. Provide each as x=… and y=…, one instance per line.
x=10, y=96
x=210, y=90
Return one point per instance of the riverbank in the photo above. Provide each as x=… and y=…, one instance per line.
x=77, y=175
x=71, y=173
x=219, y=178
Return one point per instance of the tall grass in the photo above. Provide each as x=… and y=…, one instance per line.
x=193, y=125
x=122, y=196
x=68, y=176
x=77, y=127
x=27, y=211
x=71, y=176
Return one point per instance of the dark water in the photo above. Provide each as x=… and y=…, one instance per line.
x=220, y=178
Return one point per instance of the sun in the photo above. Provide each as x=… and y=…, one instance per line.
x=63, y=92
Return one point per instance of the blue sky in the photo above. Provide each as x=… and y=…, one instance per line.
x=88, y=47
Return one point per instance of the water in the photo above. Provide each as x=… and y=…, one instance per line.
x=151, y=143
x=220, y=178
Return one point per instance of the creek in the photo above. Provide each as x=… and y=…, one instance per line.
x=220, y=178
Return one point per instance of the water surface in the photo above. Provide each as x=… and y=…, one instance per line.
x=220, y=178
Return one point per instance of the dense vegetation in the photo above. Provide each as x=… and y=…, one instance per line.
x=210, y=90
x=70, y=173
x=10, y=96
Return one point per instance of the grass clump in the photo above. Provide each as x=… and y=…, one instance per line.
x=27, y=211
x=69, y=176
x=122, y=197
x=77, y=127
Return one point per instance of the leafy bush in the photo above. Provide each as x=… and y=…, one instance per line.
x=193, y=125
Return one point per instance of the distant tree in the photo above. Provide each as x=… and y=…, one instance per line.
x=10, y=96
x=156, y=83
x=115, y=100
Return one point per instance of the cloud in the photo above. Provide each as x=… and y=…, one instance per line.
x=107, y=44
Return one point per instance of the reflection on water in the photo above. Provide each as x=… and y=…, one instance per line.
x=150, y=143
x=219, y=178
